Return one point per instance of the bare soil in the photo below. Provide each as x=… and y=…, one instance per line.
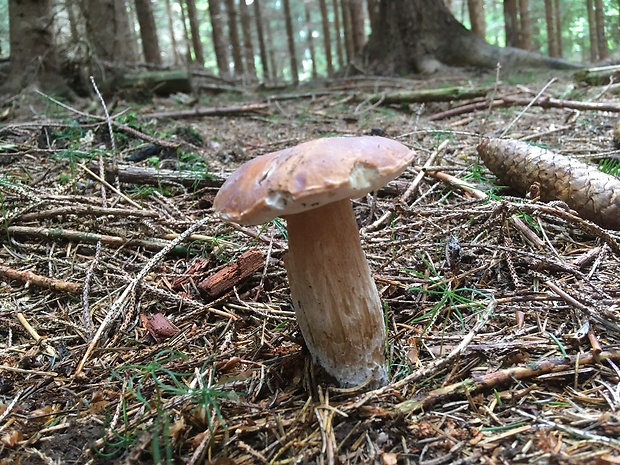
x=502, y=348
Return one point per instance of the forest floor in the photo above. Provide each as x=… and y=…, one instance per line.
x=109, y=354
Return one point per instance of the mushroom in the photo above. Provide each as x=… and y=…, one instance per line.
x=336, y=302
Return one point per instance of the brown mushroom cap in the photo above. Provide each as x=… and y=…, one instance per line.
x=308, y=176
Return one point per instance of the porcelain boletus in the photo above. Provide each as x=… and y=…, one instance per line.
x=336, y=302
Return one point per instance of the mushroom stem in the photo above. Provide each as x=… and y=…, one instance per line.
x=336, y=301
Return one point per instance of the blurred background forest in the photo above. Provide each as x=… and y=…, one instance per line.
x=275, y=41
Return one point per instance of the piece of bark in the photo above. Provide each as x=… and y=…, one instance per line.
x=224, y=280
x=159, y=326
x=198, y=267
x=592, y=193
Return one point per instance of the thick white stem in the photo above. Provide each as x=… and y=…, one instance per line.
x=336, y=301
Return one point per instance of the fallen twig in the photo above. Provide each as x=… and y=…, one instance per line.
x=35, y=335
x=437, y=364
x=213, y=111
x=154, y=176
x=72, y=235
x=502, y=377
x=38, y=280
x=84, y=210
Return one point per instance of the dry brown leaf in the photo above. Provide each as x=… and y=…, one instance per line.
x=389, y=458
x=11, y=439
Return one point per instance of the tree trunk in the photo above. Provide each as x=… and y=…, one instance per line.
x=217, y=32
x=373, y=13
x=192, y=15
x=271, y=51
x=347, y=29
x=599, y=15
x=511, y=25
x=558, y=26
x=107, y=28
x=148, y=32
x=173, y=39
x=551, y=37
x=476, y=17
x=338, y=33
x=423, y=36
x=525, y=38
x=258, y=17
x=33, y=58
x=356, y=9
x=592, y=31
x=233, y=36
x=309, y=30
x=327, y=42
x=73, y=22
x=128, y=23
x=248, y=46
x=291, y=41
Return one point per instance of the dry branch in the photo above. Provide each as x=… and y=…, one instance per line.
x=237, y=110
x=153, y=176
x=544, y=102
x=84, y=210
x=503, y=377
x=72, y=235
x=424, y=95
x=44, y=282
x=598, y=76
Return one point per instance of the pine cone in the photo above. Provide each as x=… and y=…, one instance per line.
x=585, y=189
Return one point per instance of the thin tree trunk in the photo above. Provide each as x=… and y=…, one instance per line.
x=356, y=9
x=186, y=34
x=476, y=17
x=271, y=51
x=173, y=40
x=187, y=38
x=603, y=50
x=373, y=13
x=233, y=36
x=557, y=15
x=592, y=31
x=327, y=42
x=309, y=31
x=192, y=15
x=261, y=40
x=510, y=22
x=291, y=41
x=526, y=26
x=348, y=30
x=127, y=28
x=148, y=32
x=551, y=37
x=248, y=46
x=219, y=44
x=338, y=33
